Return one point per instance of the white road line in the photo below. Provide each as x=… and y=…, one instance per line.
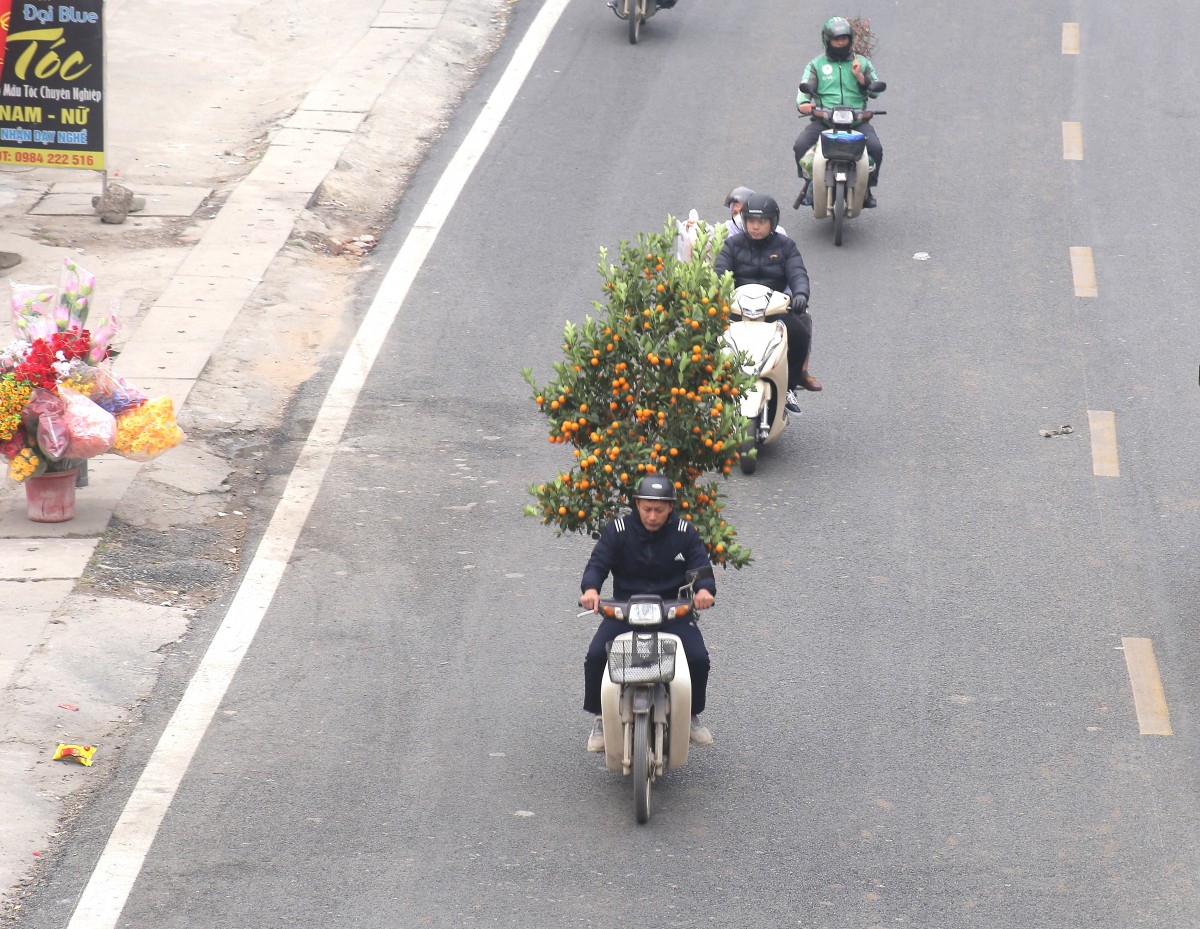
x=108, y=889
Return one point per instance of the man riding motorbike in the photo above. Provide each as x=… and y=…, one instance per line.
x=764, y=256
x=647, y=552
x=839, y=78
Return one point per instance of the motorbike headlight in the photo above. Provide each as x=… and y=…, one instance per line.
x=645, y=614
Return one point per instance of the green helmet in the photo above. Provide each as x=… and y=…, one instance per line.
x=834, y=28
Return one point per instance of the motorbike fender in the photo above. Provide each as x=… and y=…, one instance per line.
x=820, y=190
x=753, y=400
x=679, y=732
x=857, y=186
x=617, y=712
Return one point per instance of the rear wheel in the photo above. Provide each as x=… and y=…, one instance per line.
x=839, y=211
x=641, y=766
x=635, y=20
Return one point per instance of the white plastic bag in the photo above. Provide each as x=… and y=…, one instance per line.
x=685, y=238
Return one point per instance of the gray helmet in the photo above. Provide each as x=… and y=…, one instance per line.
x=740, y=194
x=655, y=487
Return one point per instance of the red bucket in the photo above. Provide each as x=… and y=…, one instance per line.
x=50, y=497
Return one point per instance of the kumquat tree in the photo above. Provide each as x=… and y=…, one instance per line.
x=648, y=387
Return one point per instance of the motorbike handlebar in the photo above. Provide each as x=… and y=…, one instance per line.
x=671, y=609
x=860, y=116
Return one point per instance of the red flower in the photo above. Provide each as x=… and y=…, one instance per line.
x=10, y=448
x=36, y=369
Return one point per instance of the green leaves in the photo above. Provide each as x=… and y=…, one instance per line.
x=648, y=387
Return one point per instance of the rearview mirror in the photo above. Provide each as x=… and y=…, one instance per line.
x=877, y=87
x=806, y=88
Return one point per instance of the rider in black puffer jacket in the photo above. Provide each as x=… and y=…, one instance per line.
x=763, y=256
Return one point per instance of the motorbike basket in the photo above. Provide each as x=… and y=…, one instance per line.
x=644, y=659
x=842, y=146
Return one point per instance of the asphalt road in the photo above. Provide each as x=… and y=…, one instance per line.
x=922, y=709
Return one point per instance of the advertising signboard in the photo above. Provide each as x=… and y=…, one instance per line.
x=52, y=84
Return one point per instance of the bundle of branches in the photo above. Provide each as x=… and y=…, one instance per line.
x=864, y=39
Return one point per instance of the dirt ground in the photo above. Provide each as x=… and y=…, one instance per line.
x=194, y=92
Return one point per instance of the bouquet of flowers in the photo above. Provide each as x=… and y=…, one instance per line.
x=60, y=400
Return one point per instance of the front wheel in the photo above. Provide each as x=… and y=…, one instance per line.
x=748, y=461
x=635, y=20
x=839, y=211
x=641, y=766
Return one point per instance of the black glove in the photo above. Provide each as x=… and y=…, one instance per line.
x=799, y=303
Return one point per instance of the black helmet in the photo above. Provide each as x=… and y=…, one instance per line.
x=655, y=487
x=740, y=194
x=835, y=28
x=762, y=206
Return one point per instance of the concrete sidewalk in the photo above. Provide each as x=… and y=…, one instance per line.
x=72, y=667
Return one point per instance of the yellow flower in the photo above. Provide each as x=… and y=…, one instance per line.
x=148, y=430
x=25, y=463
x=82, y=387
x=14, y=395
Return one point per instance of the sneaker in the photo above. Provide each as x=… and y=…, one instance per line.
x=869, y=199
x=793, y=405
x=596, y=739
x=700, y=734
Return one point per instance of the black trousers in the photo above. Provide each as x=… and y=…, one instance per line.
x=799, y=333
x=808, y=138
x=597, y=658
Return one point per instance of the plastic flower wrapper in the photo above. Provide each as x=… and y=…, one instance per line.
x=32, y=310
x=78, y=375
x=40, y=403
x=52, y=436
x=114, y=393
x=147, y=431
x=102, y=334
x=92, y=429
x=75, y=288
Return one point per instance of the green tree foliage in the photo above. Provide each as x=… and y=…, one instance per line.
x=648, y=387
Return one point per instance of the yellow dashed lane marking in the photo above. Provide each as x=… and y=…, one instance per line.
x=1148, y=697
x=1073, y=141
x=1103, y=426
x=1083, y=270
x=1070, y=38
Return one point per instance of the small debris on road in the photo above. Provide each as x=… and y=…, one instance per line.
x=81, y=753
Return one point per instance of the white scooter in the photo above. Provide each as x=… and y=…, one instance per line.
x=646, y=694
x=755, y=329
